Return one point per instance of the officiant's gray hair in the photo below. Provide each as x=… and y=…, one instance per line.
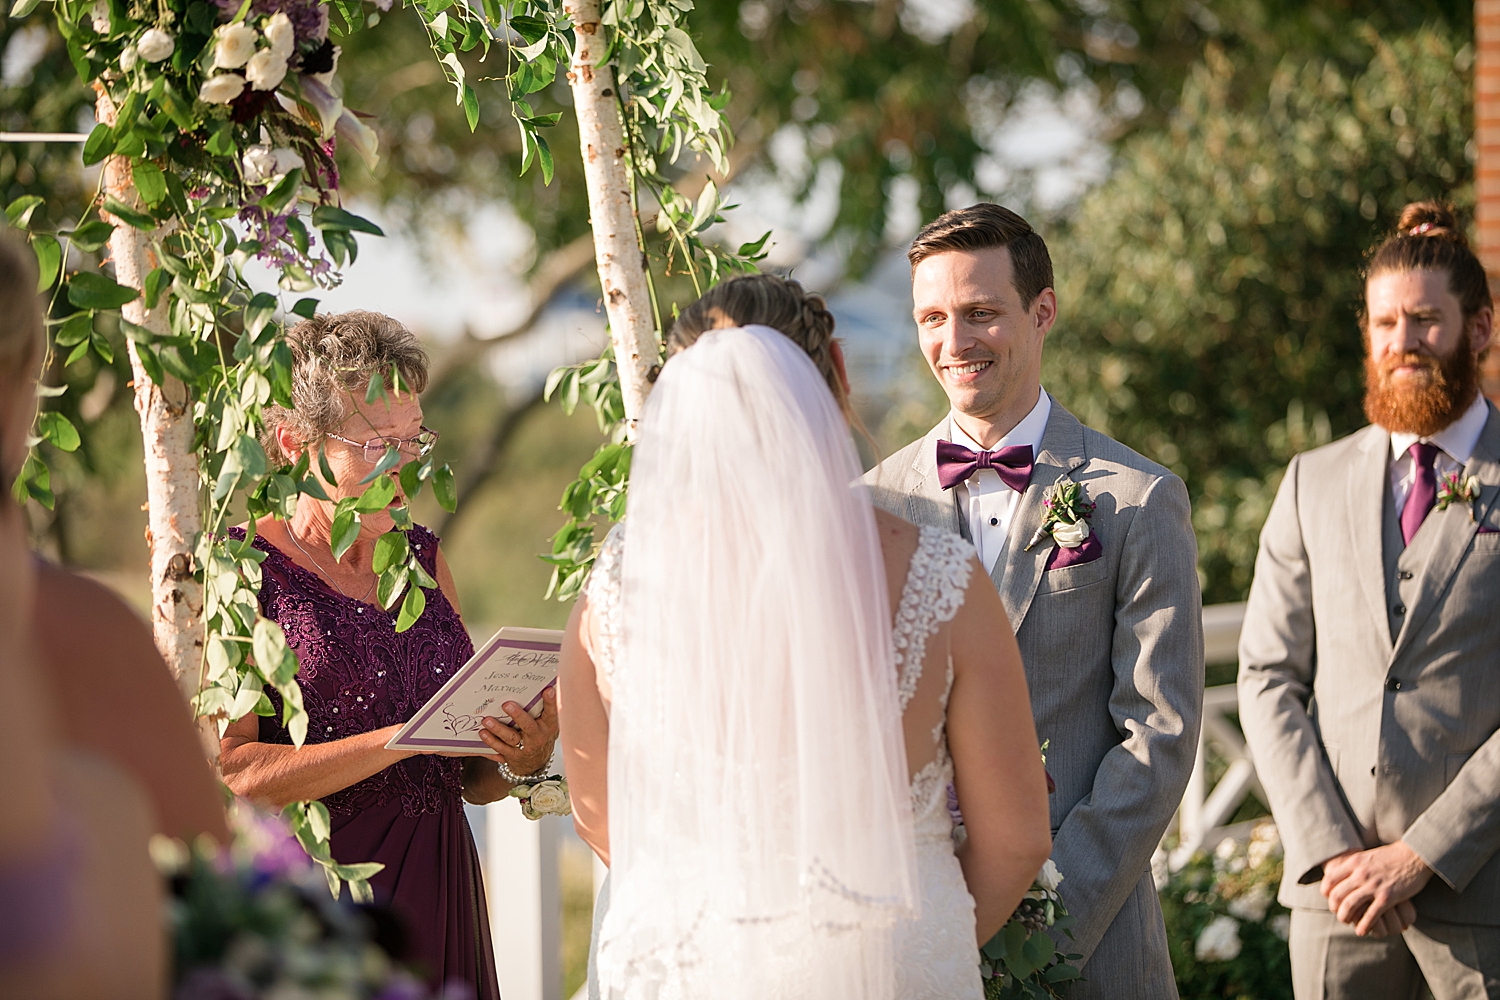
x=334, y=357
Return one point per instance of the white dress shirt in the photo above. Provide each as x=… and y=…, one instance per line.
x=1456, y=442
x=989, y=503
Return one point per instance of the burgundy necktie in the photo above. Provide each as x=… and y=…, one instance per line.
x=956, y=463
x=1423, y=490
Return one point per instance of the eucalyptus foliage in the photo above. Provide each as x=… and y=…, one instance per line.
x=1210, y=288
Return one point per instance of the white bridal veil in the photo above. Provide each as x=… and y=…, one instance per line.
x=759, y=814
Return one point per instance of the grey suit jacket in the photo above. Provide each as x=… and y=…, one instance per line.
x=1370, y=674
x=1113, y=651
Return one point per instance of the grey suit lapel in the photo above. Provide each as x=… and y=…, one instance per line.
x=1455, y=529
x=927, y=494
x=1018, y=572
x=1368, y=483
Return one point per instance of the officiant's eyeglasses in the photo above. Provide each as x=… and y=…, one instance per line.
x=412, y=447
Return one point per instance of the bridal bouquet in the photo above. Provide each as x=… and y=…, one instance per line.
x=1023, y=960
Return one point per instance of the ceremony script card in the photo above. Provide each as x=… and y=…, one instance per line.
x=518, y=664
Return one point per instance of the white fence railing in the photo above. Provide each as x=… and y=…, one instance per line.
x=520, y=857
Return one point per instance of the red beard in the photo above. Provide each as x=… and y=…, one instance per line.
x=1416, y=405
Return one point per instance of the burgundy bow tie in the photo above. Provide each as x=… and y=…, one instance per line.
x=956, y=463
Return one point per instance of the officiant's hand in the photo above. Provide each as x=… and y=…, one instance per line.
x=526, y=745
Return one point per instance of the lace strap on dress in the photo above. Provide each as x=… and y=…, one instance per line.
x=603, y=593
x=936, y=583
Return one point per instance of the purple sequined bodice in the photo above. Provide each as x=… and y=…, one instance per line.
x=358, y=674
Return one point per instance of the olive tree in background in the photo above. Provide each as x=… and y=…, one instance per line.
x=1210, y=288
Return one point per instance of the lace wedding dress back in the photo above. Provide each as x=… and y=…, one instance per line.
x=938, y=955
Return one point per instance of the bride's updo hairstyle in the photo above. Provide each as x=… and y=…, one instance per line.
x=1428, y=238
x=780, y=303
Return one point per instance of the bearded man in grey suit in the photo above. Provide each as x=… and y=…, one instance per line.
x=1105, y=602
x=1370, y=657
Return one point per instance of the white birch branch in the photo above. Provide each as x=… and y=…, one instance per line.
x=617, y=252
x=172, y=483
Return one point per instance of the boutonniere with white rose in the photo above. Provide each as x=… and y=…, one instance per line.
x=544, y=797
x=1067, y=517
x=1452, y=491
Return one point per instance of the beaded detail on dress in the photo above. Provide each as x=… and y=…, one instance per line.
x=358, y=674
x=603, y=593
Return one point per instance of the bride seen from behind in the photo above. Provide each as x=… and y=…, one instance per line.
x=776, y=750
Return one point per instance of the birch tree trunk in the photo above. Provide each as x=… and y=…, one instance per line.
x=172, y=486
x=617, y=252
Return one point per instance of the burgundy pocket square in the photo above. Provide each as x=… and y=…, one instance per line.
x=1485, y=529
x=1090, y=550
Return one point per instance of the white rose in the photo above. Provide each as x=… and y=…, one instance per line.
x=100, y=15
x=287, y=160
x=260, y=165
x=280, y=34
x=1220, y=941
x=235, y=46
x=550, y=798
x=155, y=45
x=1253, y=904
x=1070, y=536
x=1049, y=877
x=128, y=58
x=221, y=89
x=265, y=70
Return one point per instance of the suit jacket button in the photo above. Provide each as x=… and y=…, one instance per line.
x=1393, y=685
x=1399, y=609
x=1405, y=574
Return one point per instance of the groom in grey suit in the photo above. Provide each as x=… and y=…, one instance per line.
x=1370, y=657
x=1107, y=610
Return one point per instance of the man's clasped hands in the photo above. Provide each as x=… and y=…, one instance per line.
x=1372, y=889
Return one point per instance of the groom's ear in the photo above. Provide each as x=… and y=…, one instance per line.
x=836, y=355
x=1044, y=310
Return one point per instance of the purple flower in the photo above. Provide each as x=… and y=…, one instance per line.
x=958, y=817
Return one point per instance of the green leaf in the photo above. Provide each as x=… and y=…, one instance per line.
x=34, y=482
x=91, y=235
x=92, y=290
x=103, y=347
x=358, y=872
x=532, y=29
x=379, y=496
x=388, y=461
x=391, y=549
x=444, y=490
x=345, y=533
x=19, y=212
x=258, y=313
x=322, y=824
x=155, y=282
x=58, y=429
x=471, y=107
x=544, y=157
x=306, y=308
x=411, y=608
x=326, y=469
x=375, y=389
x=100, y=143
x=24, y=7
x=332, y=217
x=708, y=203
x=221, y=143
x=150, y=182
x=411, y=480
x=48, y=260
x=129, y=216
x=284, y=192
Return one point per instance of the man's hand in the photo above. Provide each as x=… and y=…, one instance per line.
x=1364, y=887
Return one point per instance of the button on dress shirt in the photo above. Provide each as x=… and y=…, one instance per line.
x=987, y=501
x=1456, y=442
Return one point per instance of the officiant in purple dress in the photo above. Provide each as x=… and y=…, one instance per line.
x=360, y=678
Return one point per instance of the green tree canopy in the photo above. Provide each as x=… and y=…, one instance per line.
x=1210, y=289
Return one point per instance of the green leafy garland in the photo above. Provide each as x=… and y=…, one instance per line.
x=225, y=112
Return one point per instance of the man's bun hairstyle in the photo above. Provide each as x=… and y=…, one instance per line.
x=1429, y=238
